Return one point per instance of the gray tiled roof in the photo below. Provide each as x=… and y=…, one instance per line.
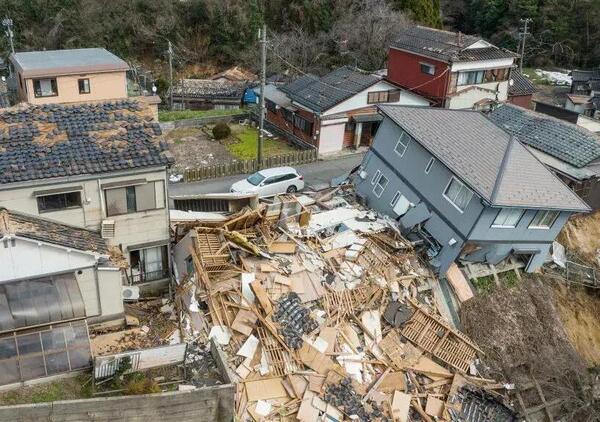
x=494, y=164
x=585, y=75
x=208, y=88
x=53, y=140
x=34, y=63
x=320, y=94
x=444, y=45
x=36, y=228
x=521, y=84
x=563, y=140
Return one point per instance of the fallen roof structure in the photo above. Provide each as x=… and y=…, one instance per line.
x=326, y=311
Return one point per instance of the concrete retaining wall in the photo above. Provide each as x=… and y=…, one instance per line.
x=205, y=404
x=201, y=405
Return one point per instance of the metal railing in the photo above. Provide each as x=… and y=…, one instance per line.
x=144, y=277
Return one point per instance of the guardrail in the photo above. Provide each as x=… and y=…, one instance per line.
x=249, y=166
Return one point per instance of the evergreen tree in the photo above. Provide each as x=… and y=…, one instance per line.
x=425, y=12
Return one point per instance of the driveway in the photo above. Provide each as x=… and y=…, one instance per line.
x=316, y=173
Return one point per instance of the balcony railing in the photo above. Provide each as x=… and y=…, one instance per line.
x=144, y=277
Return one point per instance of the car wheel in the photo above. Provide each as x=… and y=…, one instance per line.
x=291, y=189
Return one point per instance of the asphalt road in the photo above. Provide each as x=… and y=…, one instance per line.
x=316, y=173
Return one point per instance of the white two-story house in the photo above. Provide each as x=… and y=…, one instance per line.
x=99, y=166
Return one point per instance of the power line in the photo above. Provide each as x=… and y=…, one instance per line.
x=317, y=79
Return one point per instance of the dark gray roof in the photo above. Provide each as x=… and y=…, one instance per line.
x=36, y=228
x=565, y=141
x=208, y=88
x=585, y=75
x=494, y=164
x=54, y=140
x=445, y=45
x=521, y=84
x=320, y=94
x=38, y=63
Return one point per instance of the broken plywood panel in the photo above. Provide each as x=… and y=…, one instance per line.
x=400, y=406
x=434, y=407
x=282, y=247
x=392, y=381
x=314, y=359
x=428, y=367
x=267, y=389
x=402, y=355
x=459, y=283
x=244, y=322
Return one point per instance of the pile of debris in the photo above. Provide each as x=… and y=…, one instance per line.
x=326, y=311
x=149, y=323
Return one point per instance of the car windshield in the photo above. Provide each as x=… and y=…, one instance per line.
x=255, y=179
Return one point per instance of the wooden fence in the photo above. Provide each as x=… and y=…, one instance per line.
x=249, y=166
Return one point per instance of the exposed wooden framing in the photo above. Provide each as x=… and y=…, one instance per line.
x=279, y=360
x=434, y=335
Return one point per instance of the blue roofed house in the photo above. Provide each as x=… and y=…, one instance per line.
x=464, y=187
x=569, y=150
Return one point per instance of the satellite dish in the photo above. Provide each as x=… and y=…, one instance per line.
x=511, y=82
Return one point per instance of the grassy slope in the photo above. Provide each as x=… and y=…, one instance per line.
x=248, y=140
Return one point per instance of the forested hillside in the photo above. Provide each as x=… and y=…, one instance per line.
x=313, y=35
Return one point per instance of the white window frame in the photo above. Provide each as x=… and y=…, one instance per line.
x=375, y=177
x=545, y=214
x=429, y=165
x=451, y=200
x=382, y=186
x=495, y=224
x=404, y=144
x=395, y=199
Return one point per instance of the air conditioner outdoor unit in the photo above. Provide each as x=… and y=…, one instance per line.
x=108, y=229
x=130, y=293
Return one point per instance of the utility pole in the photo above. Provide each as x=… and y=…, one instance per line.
x=524, y=34
x=170, y=75
x=8, y=23
x=262, y=33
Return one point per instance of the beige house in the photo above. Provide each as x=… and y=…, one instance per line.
x=68, y=76
x=97, y=166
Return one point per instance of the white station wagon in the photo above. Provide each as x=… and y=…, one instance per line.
x=269, y=182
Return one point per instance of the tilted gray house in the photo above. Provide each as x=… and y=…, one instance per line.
x=464, y=186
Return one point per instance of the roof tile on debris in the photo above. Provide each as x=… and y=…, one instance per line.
x=492, y=162
x=446, y=46
x=521, y=85
x=320, y=94
x=207, y=88
x=54, y=140
x=565, y=141
x=18, y=224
